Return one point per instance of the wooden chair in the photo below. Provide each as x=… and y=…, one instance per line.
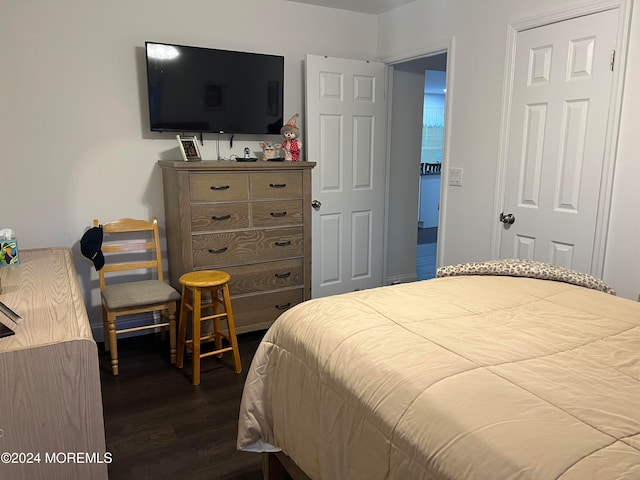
x=127, y=245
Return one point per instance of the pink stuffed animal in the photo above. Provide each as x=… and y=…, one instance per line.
x=292, y=145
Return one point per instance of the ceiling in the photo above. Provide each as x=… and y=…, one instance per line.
x=375, y=7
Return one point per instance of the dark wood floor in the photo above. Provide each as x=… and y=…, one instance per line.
x=159, y=426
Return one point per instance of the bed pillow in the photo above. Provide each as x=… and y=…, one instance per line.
x=526, y=268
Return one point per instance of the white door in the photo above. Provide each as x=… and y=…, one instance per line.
x=556, y=143
x=346, y=131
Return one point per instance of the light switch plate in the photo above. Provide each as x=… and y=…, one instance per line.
x=455, y=177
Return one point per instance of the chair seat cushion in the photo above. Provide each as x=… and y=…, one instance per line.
x=137, y=294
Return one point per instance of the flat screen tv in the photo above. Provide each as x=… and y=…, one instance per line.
x=204, y=90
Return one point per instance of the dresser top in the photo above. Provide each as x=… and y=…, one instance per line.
x=212, y=165
x=43, y=289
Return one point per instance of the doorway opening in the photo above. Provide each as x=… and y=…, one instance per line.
x=431, y=152
x=407, y=170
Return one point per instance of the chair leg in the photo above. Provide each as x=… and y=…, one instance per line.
x=172, y=333
x=232, y=328
x=182, y=327
x=163, y=330
x=105, y=329
x=113, y=343
x=197, y=307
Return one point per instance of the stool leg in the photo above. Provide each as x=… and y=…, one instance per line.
x=215, y=297
x=232, y=328
x=182, y=327
x=197, y=307
x=172, y=333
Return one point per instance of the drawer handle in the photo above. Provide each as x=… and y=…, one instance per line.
x=277, y=185
x=219, y=250
x=219, y=187
x=221, y=217
x=283, y=307
x=283, y=244
x=278, y=214
x=283, y=275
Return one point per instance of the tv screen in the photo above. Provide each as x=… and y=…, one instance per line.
x=193, y=89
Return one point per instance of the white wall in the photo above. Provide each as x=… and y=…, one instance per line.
x=622, y=262
x=73, y=109
x=479, y=30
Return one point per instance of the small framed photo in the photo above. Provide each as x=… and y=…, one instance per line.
x=189, y=148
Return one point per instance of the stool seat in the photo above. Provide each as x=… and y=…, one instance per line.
x=216, y=284
x=205, y=278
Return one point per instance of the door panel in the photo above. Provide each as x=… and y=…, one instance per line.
x=361, y=245
x=346, y=133
x=559, y=116
x=329, y=235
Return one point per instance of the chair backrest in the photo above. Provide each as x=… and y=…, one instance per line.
x=134, y=250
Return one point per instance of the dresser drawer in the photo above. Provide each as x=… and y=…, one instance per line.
x=266, y=307
x=219, y=216
x=218, y=187
x=277, y=213
x=266, y=185
x=219, y=249
x=260, y=277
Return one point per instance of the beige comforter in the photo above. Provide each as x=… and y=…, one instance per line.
x=463, y=377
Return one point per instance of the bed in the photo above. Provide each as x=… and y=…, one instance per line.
x=491, y=371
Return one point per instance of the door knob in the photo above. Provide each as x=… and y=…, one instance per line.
x=316, y=204
x=508, y=219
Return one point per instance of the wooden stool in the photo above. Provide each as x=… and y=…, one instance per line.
x=193, y=285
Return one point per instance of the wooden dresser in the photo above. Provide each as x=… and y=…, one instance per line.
x=51, y=418
x=250, y=219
